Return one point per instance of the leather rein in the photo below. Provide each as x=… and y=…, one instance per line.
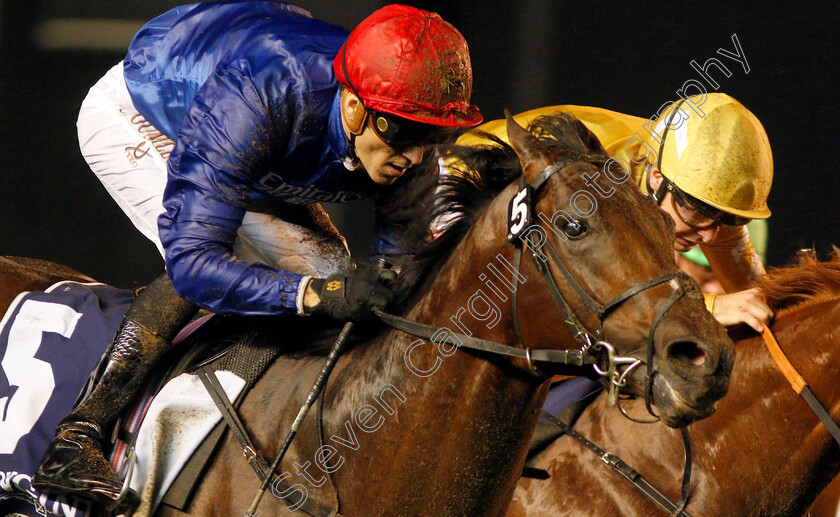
x=797, y=383
x=593, y=349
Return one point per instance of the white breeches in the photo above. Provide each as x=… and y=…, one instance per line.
x=129, y=157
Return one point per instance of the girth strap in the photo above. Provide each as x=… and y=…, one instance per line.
x=255, y=459
x=630, y=474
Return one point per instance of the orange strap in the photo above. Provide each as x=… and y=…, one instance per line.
x=796, y=381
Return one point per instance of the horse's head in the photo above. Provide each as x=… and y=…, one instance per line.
x=609, y=250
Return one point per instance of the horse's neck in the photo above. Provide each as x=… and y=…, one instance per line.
x=763, y=452
x=467, y=417
x=781, y=454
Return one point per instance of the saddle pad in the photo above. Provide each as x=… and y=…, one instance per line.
x=49, y=343
x=178, y=420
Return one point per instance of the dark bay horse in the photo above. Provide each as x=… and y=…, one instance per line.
x=763, y=452
x=409, y=426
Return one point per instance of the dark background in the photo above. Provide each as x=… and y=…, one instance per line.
x=630, y=58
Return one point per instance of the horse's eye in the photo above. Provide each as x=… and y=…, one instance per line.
x=575, y=228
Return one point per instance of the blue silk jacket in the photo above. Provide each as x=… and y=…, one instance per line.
x=247, y=91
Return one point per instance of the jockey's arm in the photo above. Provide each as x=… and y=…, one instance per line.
x=733, y=259
x=737, y=266
x=225, y=141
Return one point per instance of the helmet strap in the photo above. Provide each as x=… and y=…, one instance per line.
x=663, y=186
x=356, y=121
x=346, y=74
x=660, y=192
x=351, y=160
x=356, y=124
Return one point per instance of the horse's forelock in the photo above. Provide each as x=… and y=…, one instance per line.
x=563, y=131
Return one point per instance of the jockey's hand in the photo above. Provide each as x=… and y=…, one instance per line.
x=354, y=295
x=742, y=307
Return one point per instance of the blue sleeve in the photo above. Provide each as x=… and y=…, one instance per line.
x=226, y=139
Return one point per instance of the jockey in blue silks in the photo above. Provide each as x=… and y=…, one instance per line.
x=218, y=135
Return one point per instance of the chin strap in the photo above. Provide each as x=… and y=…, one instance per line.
x=663, y=186
x=351, y=160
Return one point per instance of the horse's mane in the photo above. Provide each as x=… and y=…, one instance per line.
x=477, y=174
x=408, y=209
x=807, y=283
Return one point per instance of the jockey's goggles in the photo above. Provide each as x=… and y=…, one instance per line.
x=400, y=132
x=700, y=215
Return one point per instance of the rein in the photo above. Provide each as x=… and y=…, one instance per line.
x=594, y=350
x=631, y=474
x=797, y=382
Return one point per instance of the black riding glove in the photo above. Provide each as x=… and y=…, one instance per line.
x=354, y=295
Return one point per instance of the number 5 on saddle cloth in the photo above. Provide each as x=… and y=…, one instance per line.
x=49, y=342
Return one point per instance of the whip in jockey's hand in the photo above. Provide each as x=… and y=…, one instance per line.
x=249, y=115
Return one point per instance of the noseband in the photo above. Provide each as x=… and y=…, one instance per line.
x=594, y=349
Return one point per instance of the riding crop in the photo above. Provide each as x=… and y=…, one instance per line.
x=314, y=393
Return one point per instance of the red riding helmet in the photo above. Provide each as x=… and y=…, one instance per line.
x=412, y=64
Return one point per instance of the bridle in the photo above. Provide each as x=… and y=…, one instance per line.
x=594, y=349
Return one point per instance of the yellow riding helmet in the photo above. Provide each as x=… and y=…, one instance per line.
x=721, y=157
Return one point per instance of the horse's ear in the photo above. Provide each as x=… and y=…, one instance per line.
x=527, y=147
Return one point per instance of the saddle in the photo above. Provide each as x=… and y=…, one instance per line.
x=221, y=345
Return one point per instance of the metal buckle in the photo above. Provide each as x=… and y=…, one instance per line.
x=609, y=459
x=531, y=365
x=617, y=379
x=249, y=453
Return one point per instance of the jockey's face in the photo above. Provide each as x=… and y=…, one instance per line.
x=383, y=163
x=687, y=236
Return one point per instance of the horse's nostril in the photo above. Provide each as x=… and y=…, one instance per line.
x=687, y=351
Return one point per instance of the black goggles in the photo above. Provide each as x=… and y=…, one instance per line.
x=400, y=132
x=707, y=210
